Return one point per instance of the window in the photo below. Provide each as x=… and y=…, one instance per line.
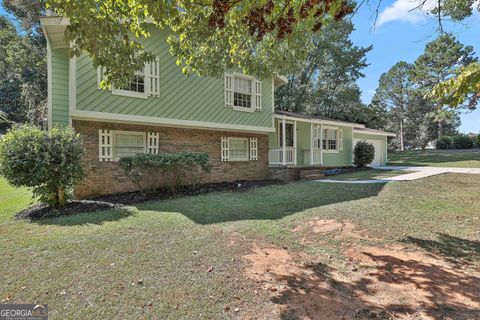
x=136, y=86
x=238, y=149
x=243, y=92
x=128, y=144
x=145, y=83
x=330, y=139
x=114, y=145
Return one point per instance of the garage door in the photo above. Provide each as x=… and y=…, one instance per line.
x=378, y=145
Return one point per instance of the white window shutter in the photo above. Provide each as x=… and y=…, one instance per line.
x=153, y=142
x=225, y=149
x=253, y=149
x=228, y=90
x=154, y=78
x=340, y=139
x=257, y=87
x=105, y=144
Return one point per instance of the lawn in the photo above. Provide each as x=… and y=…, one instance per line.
x=304, y=250
x=372, y=174
x=12, y=200
x=436, y=158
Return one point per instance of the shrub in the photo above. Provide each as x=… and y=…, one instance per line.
x=363, y=154
x=150, y=171
x=461, y=141
x=444, y=142
x=48, y=162
x=478, y=140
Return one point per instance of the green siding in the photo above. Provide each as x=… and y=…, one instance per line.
x=303, y=141
x=186, y=98
x=60, y=108
x=344, y=157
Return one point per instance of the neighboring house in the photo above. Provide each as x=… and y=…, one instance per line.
x=232, y=119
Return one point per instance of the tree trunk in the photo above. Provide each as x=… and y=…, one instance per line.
x=440, y=128
x=61, y=197
x=402, y=145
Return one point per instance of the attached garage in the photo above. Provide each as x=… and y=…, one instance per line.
x=379, y=141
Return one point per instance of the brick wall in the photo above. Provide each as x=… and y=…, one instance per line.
x=108, y=177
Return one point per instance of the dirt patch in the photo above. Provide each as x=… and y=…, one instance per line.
x=386, y=283
x=40, y=211
x=341, y=229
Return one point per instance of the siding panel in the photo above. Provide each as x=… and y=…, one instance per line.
x=185, y=98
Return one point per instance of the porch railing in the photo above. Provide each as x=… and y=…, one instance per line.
x=317, y=157
x=275, y=155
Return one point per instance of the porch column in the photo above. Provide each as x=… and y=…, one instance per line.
x=284, y=146
x=311, y=143
x=321, y=144
x=295, y=142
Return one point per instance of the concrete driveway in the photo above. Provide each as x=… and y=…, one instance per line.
x=422, y=172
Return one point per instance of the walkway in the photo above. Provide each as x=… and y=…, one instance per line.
x=420, y=172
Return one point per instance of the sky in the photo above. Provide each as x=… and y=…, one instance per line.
x=400, y=34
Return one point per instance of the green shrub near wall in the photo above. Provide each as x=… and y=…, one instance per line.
x=48, y=162
x=363, y=154
x=148, y=172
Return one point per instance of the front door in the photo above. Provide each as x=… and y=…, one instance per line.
x=288, y=134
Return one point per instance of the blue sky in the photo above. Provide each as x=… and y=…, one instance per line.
x=402, y=35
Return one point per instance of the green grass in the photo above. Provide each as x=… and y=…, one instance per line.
x=436, y=158
x=152, y=260
x=372, y=174
x=12, y=200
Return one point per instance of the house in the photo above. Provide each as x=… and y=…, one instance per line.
x=232, y=119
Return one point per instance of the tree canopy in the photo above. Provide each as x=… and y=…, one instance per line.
x=208, y=36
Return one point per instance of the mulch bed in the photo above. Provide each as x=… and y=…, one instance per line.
x=131, y=198
x=40, y=211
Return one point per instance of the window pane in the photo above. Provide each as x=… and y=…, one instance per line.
x=289, y=134
x=238, y=149
x=242, y=89
x=128, y=144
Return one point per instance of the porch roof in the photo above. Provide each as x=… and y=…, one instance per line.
x=313, y=118
x=374, y=132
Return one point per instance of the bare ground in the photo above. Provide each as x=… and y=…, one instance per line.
x=382, y=282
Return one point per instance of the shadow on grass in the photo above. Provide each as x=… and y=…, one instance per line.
x=265, y=203
x=392, y=288
x=450, y=247
x=98, y=217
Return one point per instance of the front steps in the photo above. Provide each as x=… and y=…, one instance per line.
x=311, y=174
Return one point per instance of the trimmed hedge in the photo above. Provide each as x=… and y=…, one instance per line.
x=148, y=172
x=363, y=154
x=51, y=163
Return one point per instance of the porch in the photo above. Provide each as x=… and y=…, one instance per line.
x=296, y=143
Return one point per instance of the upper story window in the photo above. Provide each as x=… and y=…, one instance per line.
x=243, y=92
x=145, y=83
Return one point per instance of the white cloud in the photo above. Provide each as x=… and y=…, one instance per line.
x=405, y=11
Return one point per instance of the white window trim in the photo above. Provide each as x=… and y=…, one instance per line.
x=336, y=139
x=252, y=94
x=127, y=93
x=114, y=141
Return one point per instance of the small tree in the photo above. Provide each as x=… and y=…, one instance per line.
x=444, y=142
x=462, y=141
x=48, y=162
x=363, y=154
